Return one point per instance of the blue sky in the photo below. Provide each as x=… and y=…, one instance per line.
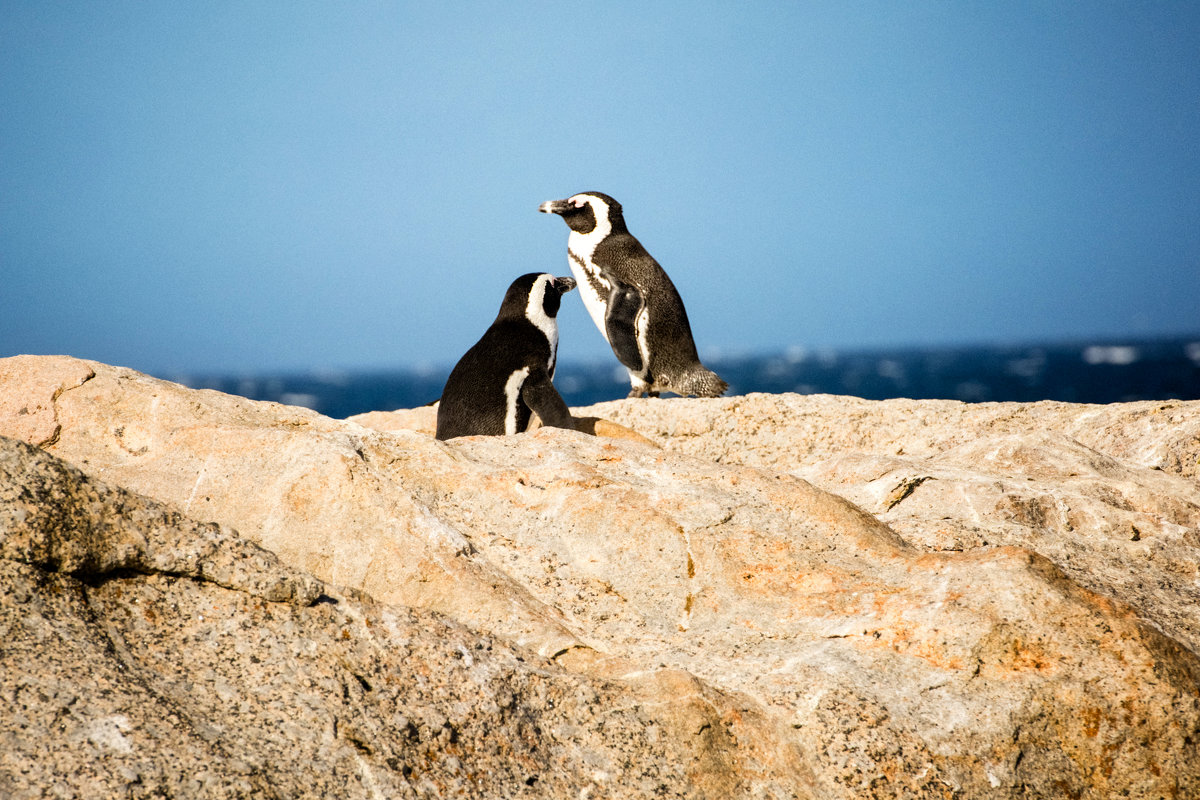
x=249, y=187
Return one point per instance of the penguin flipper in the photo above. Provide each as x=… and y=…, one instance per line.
x=625, y=302
x=539, y=394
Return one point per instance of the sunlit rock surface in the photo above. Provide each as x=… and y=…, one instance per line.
x=1005, y=608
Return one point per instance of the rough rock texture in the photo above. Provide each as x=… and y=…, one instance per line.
x=980, y=647
x=424, y=420
x=1111, y=494
x=147, y=655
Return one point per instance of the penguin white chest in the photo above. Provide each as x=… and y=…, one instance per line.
x=593, y=286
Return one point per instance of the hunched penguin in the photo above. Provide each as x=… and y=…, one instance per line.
x=509, y=372
x=631, y=300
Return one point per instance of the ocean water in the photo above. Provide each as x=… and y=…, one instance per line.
x=1093, y=372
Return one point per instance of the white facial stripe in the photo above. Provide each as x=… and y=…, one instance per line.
x=512, y=393
x=535, y=312
x=583, y=245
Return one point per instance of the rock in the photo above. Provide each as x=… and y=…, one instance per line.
x=595, y=426
x=424, y=420
x=1108, y=493
x=27, y=402
x=53, y=519
x=785, y=431
x=419, y=420
x=838, y=657
x=147, y=655
x=311, y=489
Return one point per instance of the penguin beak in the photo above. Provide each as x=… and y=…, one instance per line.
x=556, y=207
x=563, y=285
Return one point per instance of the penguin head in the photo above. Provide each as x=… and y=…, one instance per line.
x=535, y=296
x=586, y=211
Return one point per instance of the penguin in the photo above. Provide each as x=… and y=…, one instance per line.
x=509, y=373
x=631, y=300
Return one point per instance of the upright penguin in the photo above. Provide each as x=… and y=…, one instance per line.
x=631, y=300
x=509, y=372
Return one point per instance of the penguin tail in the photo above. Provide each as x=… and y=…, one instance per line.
x=702, y=382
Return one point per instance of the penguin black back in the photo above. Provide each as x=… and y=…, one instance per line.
x=508, y=373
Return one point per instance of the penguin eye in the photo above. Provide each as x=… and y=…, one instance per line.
x=578, y=202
